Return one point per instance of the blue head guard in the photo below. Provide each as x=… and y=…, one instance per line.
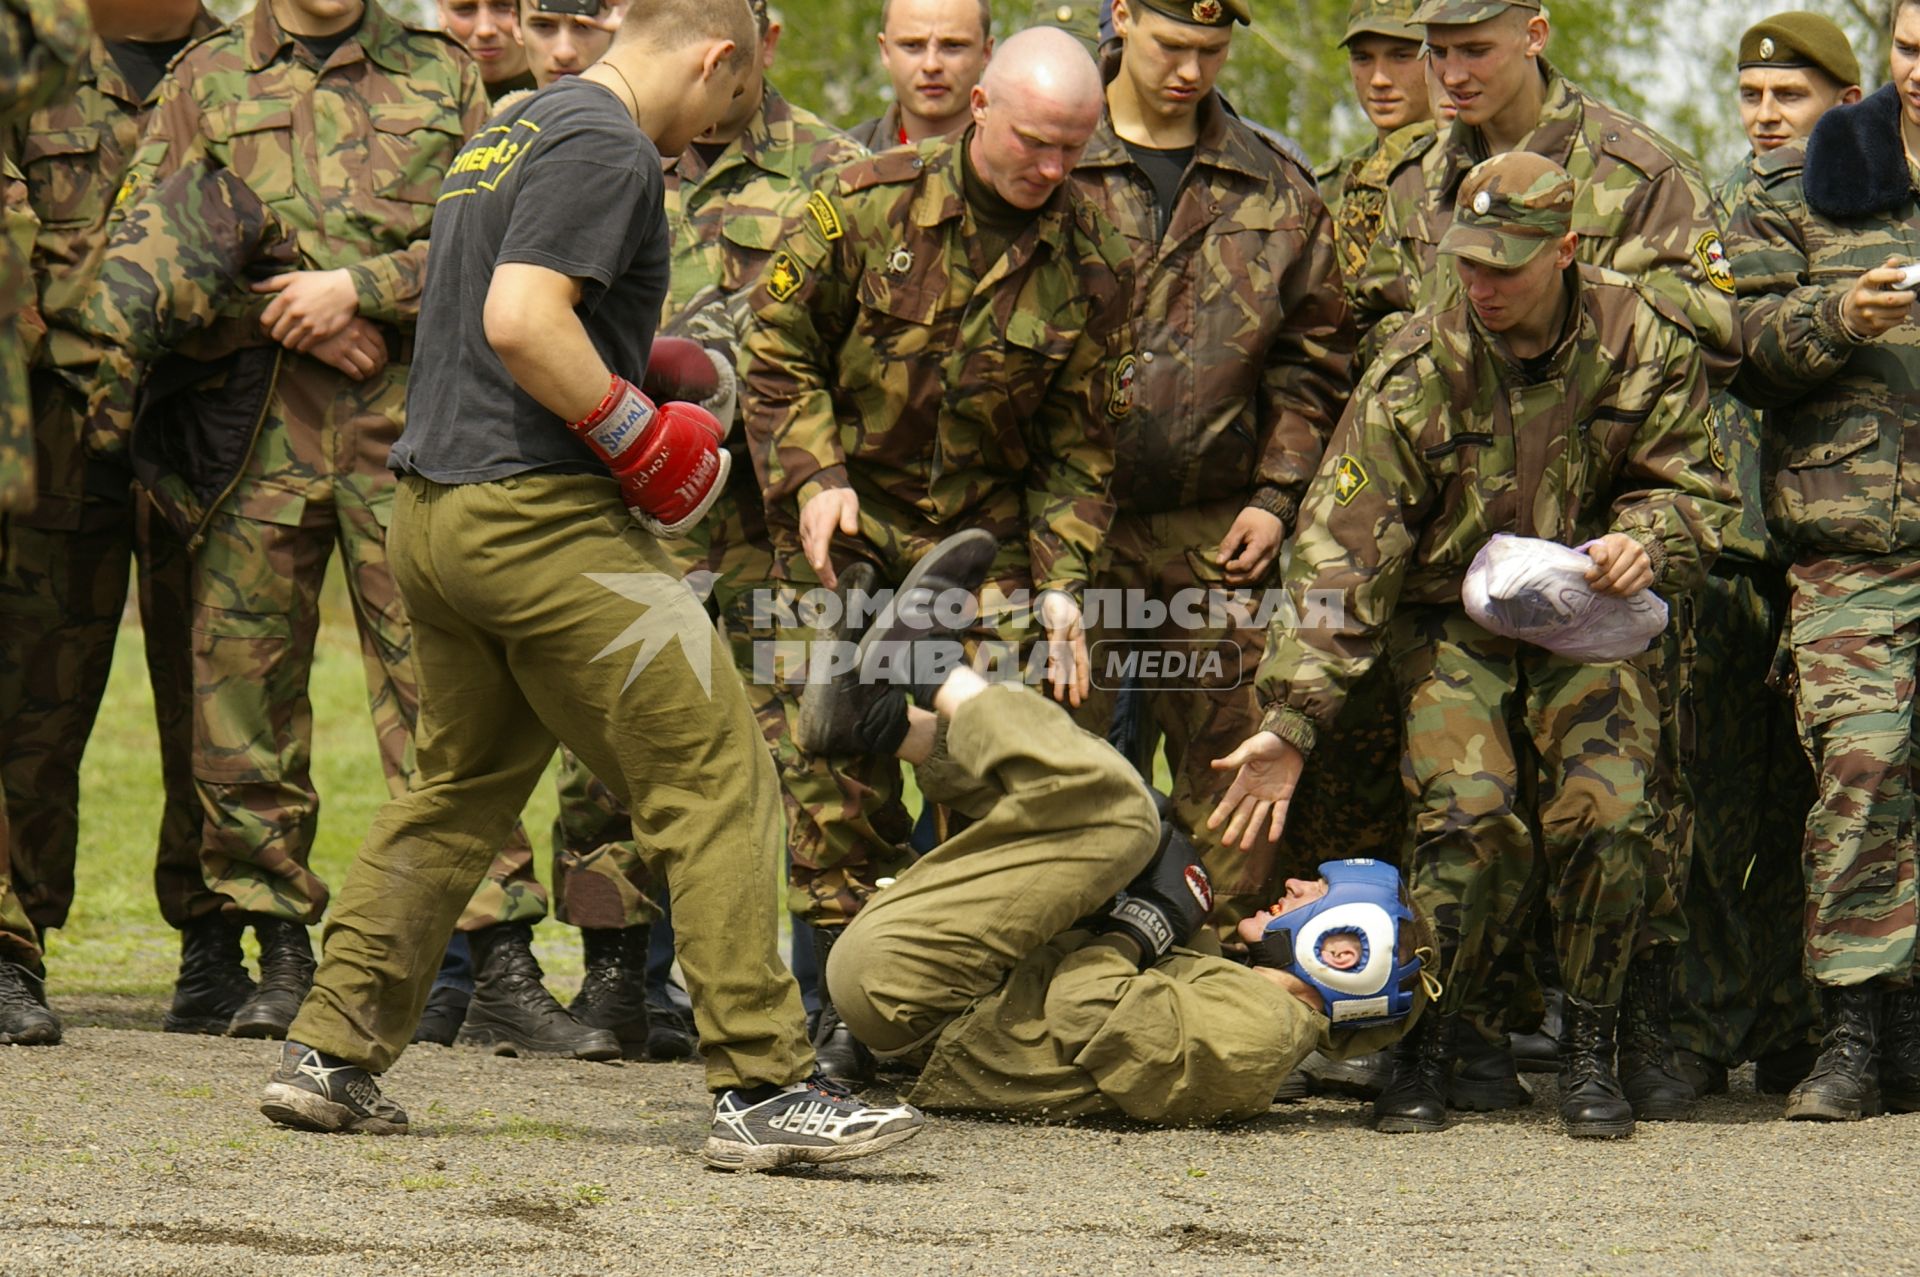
x=1363, y=900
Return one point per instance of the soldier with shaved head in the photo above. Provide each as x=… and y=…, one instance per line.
x=941, y=342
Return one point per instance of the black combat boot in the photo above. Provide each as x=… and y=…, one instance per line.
x=1649, y=1072
x=614, y=994
x=1844, y=1085
x=286, y=973
x=841, y=1056
x=1483, y=1078
x=1900, y=1050
x=1415, y=1100
x=213, y=983
x=445, y=1012
x=670, y=1031
x=1539, y=1051
x=1592, y=1105
x=1706, y=1076
x=512, y=1013
x=25, y=1019
x=1363, y=1077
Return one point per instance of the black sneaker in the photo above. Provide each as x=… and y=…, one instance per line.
x=311, y=1091
x=24, y=1017
x=812, y=1121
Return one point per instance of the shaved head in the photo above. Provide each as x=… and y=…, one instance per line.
x=1033, y=112
x=1047, y=63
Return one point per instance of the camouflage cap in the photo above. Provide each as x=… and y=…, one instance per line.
x=1510, y=208
x=1797, y=39
x=1202, y=13
x=1460, y=13
x=1392, y=18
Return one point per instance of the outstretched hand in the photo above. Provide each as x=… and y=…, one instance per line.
x=1267, y=771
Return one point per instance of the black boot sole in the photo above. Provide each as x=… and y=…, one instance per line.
x=1401, y=1124
x=1616, y=1130
x=212, y=1025
x=261, y=1023
x=1823, y=1108
x=1664, y=1110
x=499, y=1041
x=38, y=1035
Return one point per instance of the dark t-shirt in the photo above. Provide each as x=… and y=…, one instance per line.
x=144, y=62
x=562, y=180
x=1164, y=169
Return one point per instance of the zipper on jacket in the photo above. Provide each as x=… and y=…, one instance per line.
x=253, y=441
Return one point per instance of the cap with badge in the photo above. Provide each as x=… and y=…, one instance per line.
x=1798, y=40
x=1460, y=13
x=1202, y=13
x=1391, y=18
x=1510, y=207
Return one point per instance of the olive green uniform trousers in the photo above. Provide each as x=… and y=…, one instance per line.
x=540, y=614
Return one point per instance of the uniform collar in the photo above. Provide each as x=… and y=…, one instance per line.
x=942, y=195
x=1578, y=325
x=104, y=73
x=1218, y=145
x=380, y=39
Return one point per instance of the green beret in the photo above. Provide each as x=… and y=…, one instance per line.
x=1392, y=18
x=1510, y=207
x=1798, y=39
x=1460, y=13
x=1201, y=13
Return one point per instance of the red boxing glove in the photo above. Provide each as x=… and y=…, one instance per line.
x=668, y=459
x=680, y=369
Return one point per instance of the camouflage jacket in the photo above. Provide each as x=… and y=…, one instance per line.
x=882, y=132
x=1842, y=439
x=41, y=42
x=878, y=359
x=1240, y=323
x=1746, y=540
x=1641, y=210
x=1447, y=443
x=349, y=155
x=1355, y=190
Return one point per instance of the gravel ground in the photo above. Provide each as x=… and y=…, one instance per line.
x=132, y=1151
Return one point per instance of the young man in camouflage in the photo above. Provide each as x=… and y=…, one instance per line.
x=1820, y=232
x=1739, y=990
x=1644, y=212
x=1388, y=62
x=941, y=342
x=934, y=52
x=64, y=588
x=1240, y=371
x=342, y=120
x=1553, y=400
x=490, y=31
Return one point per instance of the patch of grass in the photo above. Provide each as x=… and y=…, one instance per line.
x=425, y=1182
x=588, y=1194
x=200, y=1092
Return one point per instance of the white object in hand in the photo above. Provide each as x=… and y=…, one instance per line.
x=1537, y=591
x=1909, y=279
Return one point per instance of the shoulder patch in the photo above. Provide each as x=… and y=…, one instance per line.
x=784, y=276
x=1711, y=255
x=1350, y=479
x=825, y=219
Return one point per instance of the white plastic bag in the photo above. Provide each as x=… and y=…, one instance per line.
x=1536, y=590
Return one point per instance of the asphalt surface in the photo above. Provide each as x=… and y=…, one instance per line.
x=132, y=1151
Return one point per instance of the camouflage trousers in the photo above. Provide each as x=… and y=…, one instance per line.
x=1351, y=801
x=1854, y=627
x=62, y=597
x=508, y=660
x=1739, y=991
x=847, y=819
x=1158, y=589
x=1479, y=710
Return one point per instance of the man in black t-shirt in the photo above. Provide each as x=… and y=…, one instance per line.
x=544, y=608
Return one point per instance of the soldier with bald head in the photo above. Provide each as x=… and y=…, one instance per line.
x=941, y=342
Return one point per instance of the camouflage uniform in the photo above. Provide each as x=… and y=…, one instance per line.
x=41, y=42
x=948, y=392
x=1740, y=993
x=1355, y=189
x=350, y=157
x=1447, y=443
x=64, y=587
x=1840, y=416
x=1242, y=342
x=725, y=222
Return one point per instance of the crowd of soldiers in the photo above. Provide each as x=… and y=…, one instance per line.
x=1086, y=306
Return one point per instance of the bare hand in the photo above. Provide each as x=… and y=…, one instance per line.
x=312, y=306
x=1620, y=565
x=1069, y=668
x=1250, y=546
x=357, y=350
x=1267, y=770
x=834, y=509
x=1875, y=305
